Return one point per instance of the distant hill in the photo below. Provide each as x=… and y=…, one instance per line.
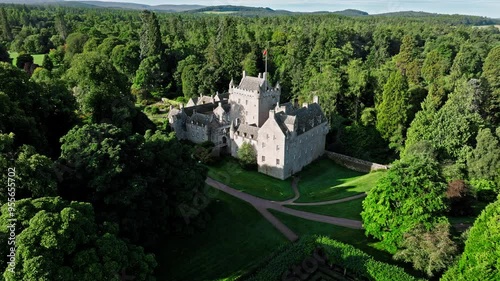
x=226, y=9
x=351, y=12
x=134, y=6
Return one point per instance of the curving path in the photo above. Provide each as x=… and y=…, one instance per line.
x=262, y=205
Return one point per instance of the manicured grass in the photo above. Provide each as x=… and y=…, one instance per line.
x=236, y=238
x=355, y=237
x=230, y=172
x=325, y=180
x=38, y=59
x=349, y=210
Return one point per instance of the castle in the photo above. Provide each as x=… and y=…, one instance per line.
x=286, y=137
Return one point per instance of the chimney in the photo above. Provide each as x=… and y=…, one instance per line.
x=296, y=103
x=316, y=99
x=244, y=73
x=305, y=104
x=271, y=113
x=260, y=75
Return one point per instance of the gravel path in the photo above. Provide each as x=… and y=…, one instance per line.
x=262, y=205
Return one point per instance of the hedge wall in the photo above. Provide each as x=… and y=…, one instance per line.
x=353, y=260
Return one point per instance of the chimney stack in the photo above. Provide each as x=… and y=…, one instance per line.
x=316, y=99
x=244, y=73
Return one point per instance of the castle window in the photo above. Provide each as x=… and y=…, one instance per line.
x=246, y=102
x=239, y=100
x=277, y=147
x=267, y=136
x=263, y=158
x=277, y=161
x=263, y=144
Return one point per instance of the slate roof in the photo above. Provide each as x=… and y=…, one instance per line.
x=304, y=118
x=251, y=83
x=249, y=130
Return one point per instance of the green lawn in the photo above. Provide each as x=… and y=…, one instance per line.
x=230, y=172
x=325, y=180
x=349, y=210
x=38, y=59
x=236, y=238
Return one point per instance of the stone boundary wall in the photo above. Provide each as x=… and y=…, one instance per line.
x=355, y=163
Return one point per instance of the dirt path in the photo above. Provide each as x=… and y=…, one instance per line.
x=262, y=205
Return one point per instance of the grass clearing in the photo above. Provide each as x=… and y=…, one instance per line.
x=38, y=58
x=325, y=180
x=232, y=174
x=236, y=239
x=349, y=210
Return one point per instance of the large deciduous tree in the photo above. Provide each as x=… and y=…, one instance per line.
x=411, y=193
x=34, y=173
x=59, y=240
x=140, y=181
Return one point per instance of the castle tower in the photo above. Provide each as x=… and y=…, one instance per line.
x=252, y=99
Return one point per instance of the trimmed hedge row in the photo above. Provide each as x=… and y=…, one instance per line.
x=360, y=263
x=352, y=259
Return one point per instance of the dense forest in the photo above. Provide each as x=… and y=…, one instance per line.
x=100, y=183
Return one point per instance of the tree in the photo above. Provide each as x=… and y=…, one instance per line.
x=33, y=44
x=247, y=155
x=126, y=60
x=190, y=81
x=34, y=172
x=411, y=193
x=101, y=91
x=61, y=26
x=59, y=240
x=491, y=72
x=358, y=81
x=460, y=198
x=4, y=55
x=150, y=184
x=479, y=260
x=24, y=59
x=431, y=251
x=150, y=36
x=75, y=43
x=151, y=77
x=452, y=129
x=393, y=110
x=484, y=162
x=5, y=29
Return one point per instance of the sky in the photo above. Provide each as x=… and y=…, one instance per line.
x=489, y=8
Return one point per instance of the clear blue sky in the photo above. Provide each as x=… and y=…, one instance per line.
x=489, y=8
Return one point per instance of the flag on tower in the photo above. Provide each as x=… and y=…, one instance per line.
x=264, y=52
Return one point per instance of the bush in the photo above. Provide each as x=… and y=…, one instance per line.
x=486, y=191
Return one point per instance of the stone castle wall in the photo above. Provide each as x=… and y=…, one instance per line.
x=355, y=163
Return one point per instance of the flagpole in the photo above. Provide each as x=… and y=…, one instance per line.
x=267, y=54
